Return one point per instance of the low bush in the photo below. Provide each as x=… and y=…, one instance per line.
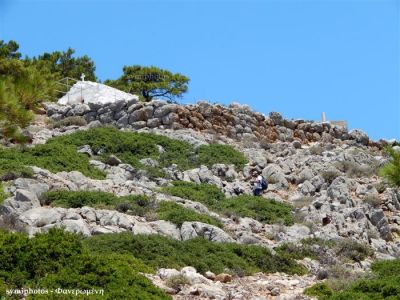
x=137, y=204
x=354, y=169
x=162, y=252
x=220, y=154
x=130, y=147
x=391, y=171
x=60, y=153
x=207, y=194
x=178, y=214
x=311, y=247
x=353, y=250
x=373, y=200
x=316, y=150
x=69, y=121
x=3, y=194
x=59, y=259
x=330, y=175
x=261, y=209
x=383, y=283
x=55, y=158
x=176, y=282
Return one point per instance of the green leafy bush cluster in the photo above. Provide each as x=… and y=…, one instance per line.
x=53, y=157
x=60, y=153
x=263, y=210
x=178, y=214
x=138, y=204
x=384, y=283
x=3, y=194
x=60, y=259
x=208, y=194
x=221, y=154
x=130, y=147
x=162, y=252
x=346, y=249
x=391, y=171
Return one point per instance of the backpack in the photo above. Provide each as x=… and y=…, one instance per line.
x=264, y=184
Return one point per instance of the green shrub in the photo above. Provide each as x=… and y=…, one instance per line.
x=217, y=153
x=59, y=259
x=318, y=290
x=207, y=194
x=261, y=209
x=177, y=281
x=384, y=283
x=3, y=194
x=391, y=171
x=68, y=121
x=162, y=252
x=178, y=214
x=12, y=165
x=354, y=169
x=353, y=250
x=138, y=204
x=54, y=157
x=296, y=251
x=130, y=147
x=330, y=175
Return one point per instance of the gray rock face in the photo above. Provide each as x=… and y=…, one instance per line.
x=359, y=136
x=23, y=201
x=274, y=174
x=191, y=230
x=339, y=190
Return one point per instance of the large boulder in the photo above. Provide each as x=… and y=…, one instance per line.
x=359, y=136
x=191, y=230
x=274, y=174
x=340, y=190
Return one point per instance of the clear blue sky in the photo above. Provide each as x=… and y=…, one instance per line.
x=295, y=57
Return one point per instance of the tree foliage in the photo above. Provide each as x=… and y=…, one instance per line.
x=151, y=82
x=9, y=50
x=391, y=171
x=64, y=64
x=26, y=83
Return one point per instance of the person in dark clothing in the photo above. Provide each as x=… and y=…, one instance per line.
x=259, y=185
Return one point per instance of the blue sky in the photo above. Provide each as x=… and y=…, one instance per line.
x=297, y=57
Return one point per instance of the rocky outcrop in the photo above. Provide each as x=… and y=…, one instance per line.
x=235, y=121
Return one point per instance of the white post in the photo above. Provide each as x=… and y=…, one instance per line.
x=323, y=117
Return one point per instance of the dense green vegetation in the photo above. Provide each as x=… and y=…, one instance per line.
x=178, y=214
x=61, y=260
x=346, y=249
x=162, y=252
x=138, y=204
x=60, y=153
x=3, y=194
x=130, y=147
x=208, y=194
x=263, y=210
x=221, y=154
x=26, y=83
x=54, y=157
x=151, y=82
x=391, y=171
x=383, y=283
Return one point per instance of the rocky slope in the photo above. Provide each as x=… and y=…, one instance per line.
x=329, y=175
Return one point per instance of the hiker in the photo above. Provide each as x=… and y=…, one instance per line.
x=259, y=185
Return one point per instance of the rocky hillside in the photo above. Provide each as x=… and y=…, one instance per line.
x=169, y=187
